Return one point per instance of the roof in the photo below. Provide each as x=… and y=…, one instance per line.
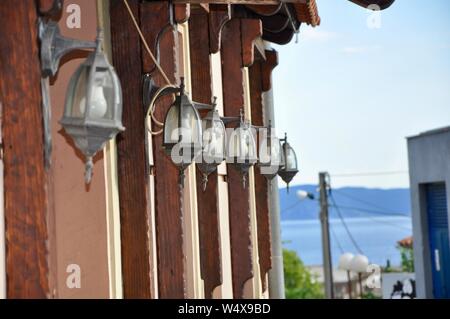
x=440, y=130
x=406, y=242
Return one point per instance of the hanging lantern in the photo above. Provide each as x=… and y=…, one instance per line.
x=270, y=155
x=182, y=135
x=242, y=149
x=93, y=109
x=289, y=163
x=214, y=144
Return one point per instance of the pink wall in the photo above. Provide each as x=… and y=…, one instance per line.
x=78, y=217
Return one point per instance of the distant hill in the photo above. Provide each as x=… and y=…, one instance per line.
x=353, y=202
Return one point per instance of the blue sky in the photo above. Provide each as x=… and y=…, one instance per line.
x=348, y=95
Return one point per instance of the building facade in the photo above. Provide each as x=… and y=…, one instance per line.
x=429, y=166
x=133, y=232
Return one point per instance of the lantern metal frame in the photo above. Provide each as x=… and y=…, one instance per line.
x=90, y=133
x=53, y=47
x=287, y=174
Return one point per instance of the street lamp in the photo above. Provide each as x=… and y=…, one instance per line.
x=302, y=195
x=344, y=264
x=93, y=108
x=289, y=163
x=359, y=264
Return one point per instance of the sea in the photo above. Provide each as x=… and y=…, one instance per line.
x=375, y=236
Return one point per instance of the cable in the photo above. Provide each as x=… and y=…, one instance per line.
x=381, y=221
x=147, y=48
x=362, y=201
x=352, y=239
x=370, y=174
x=336, y=239
x=372, y=211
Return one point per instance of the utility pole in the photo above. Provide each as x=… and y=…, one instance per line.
x=327, y=267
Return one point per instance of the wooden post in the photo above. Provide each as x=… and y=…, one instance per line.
x=239, y=206
x=155, y=17
x=25, y=179
x=133, y=177
x=210, y=257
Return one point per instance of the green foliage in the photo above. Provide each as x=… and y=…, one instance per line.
x=370, y=295
x=299, y=283
x=407, y=258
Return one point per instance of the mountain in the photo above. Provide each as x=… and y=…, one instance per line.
x=351, y=202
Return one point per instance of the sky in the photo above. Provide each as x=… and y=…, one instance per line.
x=352, y=89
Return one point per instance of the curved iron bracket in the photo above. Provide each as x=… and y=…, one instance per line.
x=54, y=46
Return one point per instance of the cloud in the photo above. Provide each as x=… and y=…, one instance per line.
x=360, y=49
x=313, y=34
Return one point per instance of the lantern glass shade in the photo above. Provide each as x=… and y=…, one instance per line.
x=291, y=159
x=182, y=128
x=242, y=147
x=93, y=108
x=289, y=166
x=270, y=157
x=214, y=138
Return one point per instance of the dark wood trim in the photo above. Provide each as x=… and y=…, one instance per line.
x=219, y=15
x=25, y=179
x=169, y=218
x=251, y=30
x=208, y=213
x=267, y=68
x=261, y=184
x=132, y=174
x=239, y=206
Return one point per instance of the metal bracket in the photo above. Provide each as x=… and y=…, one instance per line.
x=54, y=46
x=53, y=11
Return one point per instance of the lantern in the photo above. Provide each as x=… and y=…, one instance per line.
x=242, y=149
x=182, y=135
x=270, y=155
x=288, y=168
x=93, y=109
x=214, y=144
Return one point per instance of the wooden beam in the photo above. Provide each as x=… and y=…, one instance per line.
x=251, y=30
x=25, y=179
x=267, y=68
x=207, y=205
x=219, y=15
x=239, y=206
x=132, y=174
x=261, y=184
x=155, y=17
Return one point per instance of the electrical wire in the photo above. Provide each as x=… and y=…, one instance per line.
x=336, y=239
x=365, y=202
x=347, y=230
x=370, y=174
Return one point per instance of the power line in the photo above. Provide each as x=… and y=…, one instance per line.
x=340, y=192
x=336, y=239
x=369, y=174
x=373, y=211
x=384, y=222
x=352, y=239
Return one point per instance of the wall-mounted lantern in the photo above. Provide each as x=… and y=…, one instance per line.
x=242, y=148
x=182, y=135
x=270, y=154
x=288, y=168
x=214, y=144
x=93, y=109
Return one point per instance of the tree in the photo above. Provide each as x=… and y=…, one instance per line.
x=299, y=283
x=407, y=257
